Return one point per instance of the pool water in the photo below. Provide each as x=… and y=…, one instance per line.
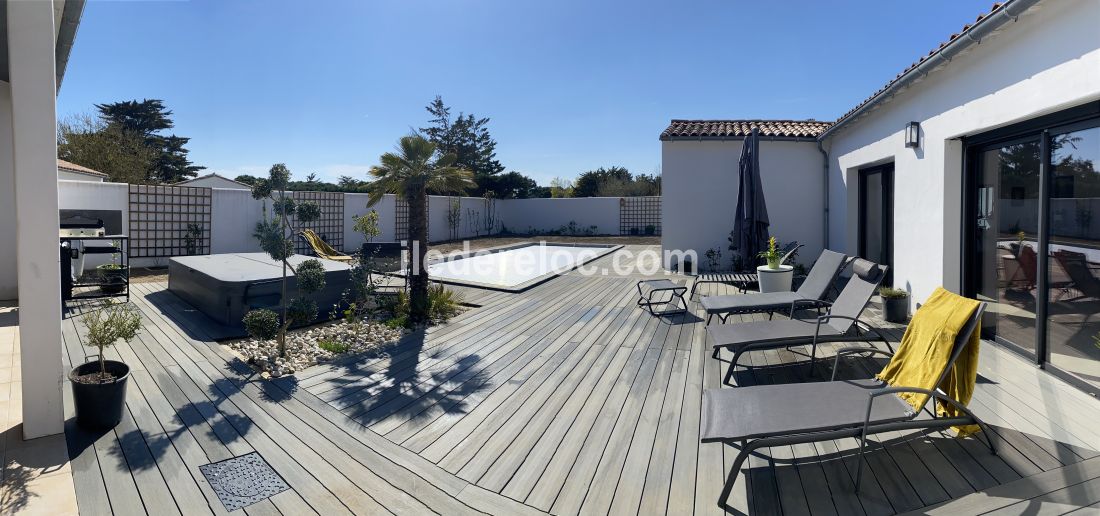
x=514, y=267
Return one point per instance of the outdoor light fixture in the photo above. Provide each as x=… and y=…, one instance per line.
x=912, y=135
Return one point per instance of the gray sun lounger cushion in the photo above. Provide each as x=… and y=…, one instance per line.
x=765, y=410
x=754, y=302
x=815, y=288
x=735, y=336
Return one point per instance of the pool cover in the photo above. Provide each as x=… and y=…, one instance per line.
x=226, y=286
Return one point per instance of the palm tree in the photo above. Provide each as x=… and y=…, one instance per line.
x=410, y=172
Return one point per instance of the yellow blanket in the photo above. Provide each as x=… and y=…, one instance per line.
x=322, y=249
x=925, y=350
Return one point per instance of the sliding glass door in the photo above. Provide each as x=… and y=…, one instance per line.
x=1073, y=321
x=1032, y=240
x=1007, y=228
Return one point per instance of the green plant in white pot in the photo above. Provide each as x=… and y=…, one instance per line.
x=771, y=254
x=99, y=386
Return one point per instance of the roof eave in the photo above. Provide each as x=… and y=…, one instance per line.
x=737, y=138
x=66, y=35
x=1010, y=10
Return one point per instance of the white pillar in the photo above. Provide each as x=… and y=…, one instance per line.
x=31, y=70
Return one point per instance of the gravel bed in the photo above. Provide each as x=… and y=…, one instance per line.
x=302, y=349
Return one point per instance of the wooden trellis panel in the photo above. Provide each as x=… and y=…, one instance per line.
x=169, y=221
x=330, y=227
x=640, y=215
x=401, y=220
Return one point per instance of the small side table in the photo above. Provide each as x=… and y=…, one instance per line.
x=775, y=280
x=648, y=296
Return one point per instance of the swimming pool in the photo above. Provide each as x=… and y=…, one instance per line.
x=515, y=268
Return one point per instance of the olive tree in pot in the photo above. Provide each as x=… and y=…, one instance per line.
x=895, y=304
x=99, y=386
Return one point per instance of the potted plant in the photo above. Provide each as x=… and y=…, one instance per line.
x=99, y=386
x=714, y=259
x=771, y=255
x=895, y=304
x=113, y=275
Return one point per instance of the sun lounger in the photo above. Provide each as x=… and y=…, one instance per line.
x=743, y=281
x=813, y=291
x=840, y=324
x=767, y=416
x=322, y=249
x=1081, y=276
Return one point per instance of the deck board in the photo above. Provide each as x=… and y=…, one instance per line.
x=565, y=398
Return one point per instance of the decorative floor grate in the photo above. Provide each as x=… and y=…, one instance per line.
x=243, y=481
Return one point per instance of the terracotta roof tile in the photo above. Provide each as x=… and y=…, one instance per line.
x=680, y=129
x=73, y=167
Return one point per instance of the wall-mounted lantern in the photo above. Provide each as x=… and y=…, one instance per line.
x=912, y=135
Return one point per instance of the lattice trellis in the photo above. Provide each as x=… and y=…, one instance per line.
x=330, y=227
x=169, y=221
x=401, y=220
x=640, y=215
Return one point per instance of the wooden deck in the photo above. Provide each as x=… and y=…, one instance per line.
x=563, y=399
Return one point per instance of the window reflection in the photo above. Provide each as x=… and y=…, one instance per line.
x=1008, y=226
x=1073, y=328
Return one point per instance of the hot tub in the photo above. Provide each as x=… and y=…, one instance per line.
x=226, y=286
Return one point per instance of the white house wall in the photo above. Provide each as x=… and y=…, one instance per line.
x=699, y=194
x=1047, y=61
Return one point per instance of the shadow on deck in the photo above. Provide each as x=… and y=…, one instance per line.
x=563, y=399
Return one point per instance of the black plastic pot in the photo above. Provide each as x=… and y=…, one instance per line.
x=99, y=405
x=114, y=279
x=895, y=309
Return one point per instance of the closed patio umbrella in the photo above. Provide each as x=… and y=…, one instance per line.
x=750, y=228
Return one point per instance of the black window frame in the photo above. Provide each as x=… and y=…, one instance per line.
x=887, y=171
x=1077, y=118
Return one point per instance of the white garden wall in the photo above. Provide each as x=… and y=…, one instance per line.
x=699, y=194
x=543, y=215
x=355, y=204
x=235, y=214
x=1047, y=61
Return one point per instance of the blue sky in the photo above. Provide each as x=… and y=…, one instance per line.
x=570, y=85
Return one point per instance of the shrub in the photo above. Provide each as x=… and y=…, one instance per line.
x=262, y=324
x=333, y=346
x=443, y=304
x=367, y=225
x=892, y=293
